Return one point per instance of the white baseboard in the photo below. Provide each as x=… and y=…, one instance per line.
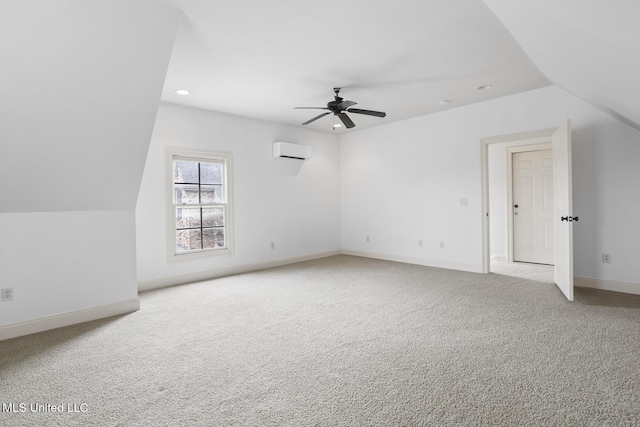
x=417, y=261
x=607, y=285
x=498, y=258
x=67, y=319
x=214, y=274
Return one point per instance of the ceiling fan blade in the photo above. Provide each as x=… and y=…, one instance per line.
x=367, y=112
x=345, y=104
x=316, y=118
x=346, y=120
x=310, y=108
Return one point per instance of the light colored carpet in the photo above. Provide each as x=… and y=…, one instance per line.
x=341, y=341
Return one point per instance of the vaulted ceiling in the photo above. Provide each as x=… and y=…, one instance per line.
x=261, y=59
x=81, y=80
x=79, y=100
x=588, y=48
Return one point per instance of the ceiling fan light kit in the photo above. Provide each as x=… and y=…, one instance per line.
x=339, y=107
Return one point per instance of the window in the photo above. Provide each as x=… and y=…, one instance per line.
x=200, y=202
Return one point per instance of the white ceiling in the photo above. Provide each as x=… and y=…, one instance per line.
x=261, y=59
x=78, y=100
x=588, y=48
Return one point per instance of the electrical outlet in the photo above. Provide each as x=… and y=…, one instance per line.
x=464, y=202
x=606, y=257
x=420, y=243
x=441, y=245
x=368, y=239
x=7, y=294
x=273, y=245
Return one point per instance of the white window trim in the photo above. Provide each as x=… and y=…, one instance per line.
x=184, y=154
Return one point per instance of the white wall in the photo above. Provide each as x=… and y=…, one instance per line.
x=80, y=83
x=290, y=202
x=61, y=262
x=403, y=181
x=497, y=157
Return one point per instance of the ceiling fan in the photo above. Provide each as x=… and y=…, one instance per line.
x=338, y=107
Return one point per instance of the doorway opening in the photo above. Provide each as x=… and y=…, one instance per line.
x=560, y=141
x=498, y=203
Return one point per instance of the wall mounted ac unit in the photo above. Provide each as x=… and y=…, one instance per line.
x=291, y=151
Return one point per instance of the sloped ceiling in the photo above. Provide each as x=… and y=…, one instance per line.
x=81, y=79
x=261, y=59
x=589, y=48
x=80, y=83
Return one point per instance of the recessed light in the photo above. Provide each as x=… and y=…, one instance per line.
x=182, y=92
x=445, y=101
x=484, y=87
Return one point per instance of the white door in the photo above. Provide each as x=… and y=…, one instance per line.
x=563, y=210
x=533, y=226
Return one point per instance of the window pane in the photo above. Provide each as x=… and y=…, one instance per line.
x=187, y=240
x=185, y=171
x=212, y=194
x=213, y=238
x=188, y=217
x=213, y=217
x=200, y=202
x=186, y=194
x=210, y=173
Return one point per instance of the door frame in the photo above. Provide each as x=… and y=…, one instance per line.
x=526, y=138
x=510, y=150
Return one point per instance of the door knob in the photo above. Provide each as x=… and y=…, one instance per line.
x=516, y=206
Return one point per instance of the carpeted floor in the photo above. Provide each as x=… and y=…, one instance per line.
x=341, y=341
